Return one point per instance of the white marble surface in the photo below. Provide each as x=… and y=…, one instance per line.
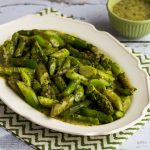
x=92, y=11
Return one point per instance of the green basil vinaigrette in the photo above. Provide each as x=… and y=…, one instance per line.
x=136, y=10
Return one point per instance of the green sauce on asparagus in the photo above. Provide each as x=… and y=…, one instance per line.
x=133, y=9
x=65, y=77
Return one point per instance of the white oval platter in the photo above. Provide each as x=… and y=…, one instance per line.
x=104, y=41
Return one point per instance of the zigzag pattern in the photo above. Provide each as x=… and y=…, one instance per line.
x=48, y=10
x=46, y=139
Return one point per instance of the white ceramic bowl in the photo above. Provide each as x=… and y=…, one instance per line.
x=109, y=45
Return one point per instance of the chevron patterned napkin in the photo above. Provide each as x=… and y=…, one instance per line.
x=46, y=139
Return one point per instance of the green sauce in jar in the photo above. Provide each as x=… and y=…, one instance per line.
x=133, y=9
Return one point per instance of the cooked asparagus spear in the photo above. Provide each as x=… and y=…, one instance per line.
x=125, y=82
x=75, y=41
x=102, y=117
x=41, y=53
x=91, y=72
x=103, y=103
x=65, y=66
x=29, y=94
x=88, y=120
x=58, y=108
x=70, y=88
x=21, y=46
x=59, y=81
x=114, y=98
x=71, y=74
x=75, y=108
x=23, y=62
x=79, y=93
x=52, y=66
x=42, y=74
x=47, y=102
x=61, y=53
